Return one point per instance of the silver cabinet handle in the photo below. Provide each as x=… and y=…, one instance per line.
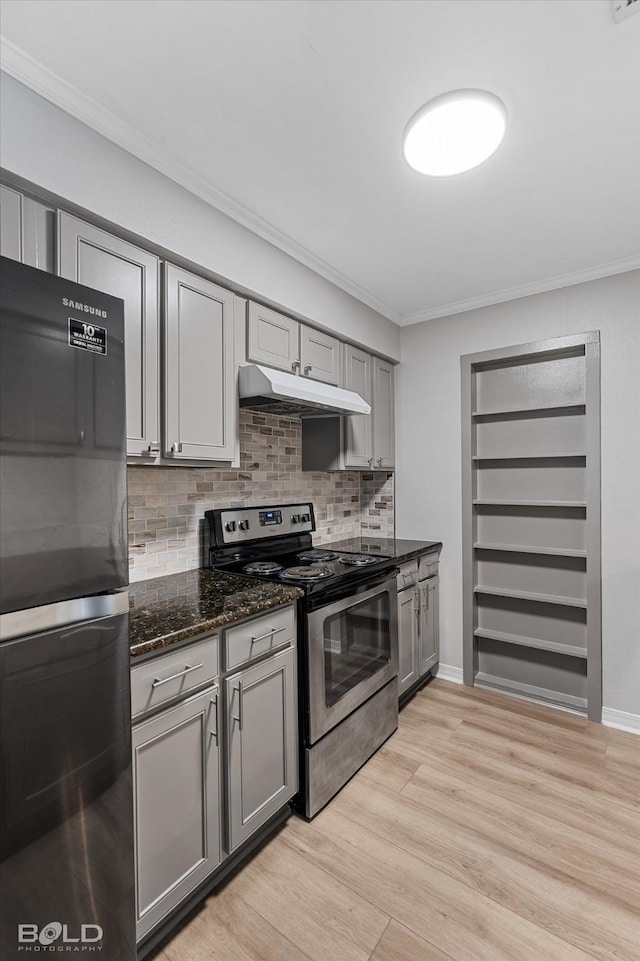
x=307, y=368
x=153, y=447
x=239, y=716
x=370, y=462
x=157, y=681
x=379, y=462
x=176, y=448
x=406, y=574
x=214, y=703
x=261, y=637
x=295, y=365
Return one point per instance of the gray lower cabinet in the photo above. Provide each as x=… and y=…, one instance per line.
x=418, y=620
x=408, y=614
x=27, y=230
x=262, y=749
x=97, y=259
x=429, y=647
x=176, y=772
x=200, y=385
x=281, y=342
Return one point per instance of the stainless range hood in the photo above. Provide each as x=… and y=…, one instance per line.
x=277, y=392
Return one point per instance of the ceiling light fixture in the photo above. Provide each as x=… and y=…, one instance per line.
x=454, y=132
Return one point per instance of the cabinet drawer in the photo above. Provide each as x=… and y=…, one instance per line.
x=259, y=636
x=173, y=675
x=428, y=566
x=408, y=575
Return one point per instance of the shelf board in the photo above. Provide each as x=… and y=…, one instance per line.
x=534, y=456
x=569, y=649
x=479, y=502
x=529, y=549
x=532, y=596
x=515, y=411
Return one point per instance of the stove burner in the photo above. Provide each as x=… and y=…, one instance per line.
x=357, y=560
x=305, y=573
x=262, y=567
x=317, y=555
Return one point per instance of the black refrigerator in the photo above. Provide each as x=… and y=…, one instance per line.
x=66, y=806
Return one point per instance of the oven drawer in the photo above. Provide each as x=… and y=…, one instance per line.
x=408, y=576
x=259, y=636
x=173, y=675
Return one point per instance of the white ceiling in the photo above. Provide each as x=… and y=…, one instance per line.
x=288, y=115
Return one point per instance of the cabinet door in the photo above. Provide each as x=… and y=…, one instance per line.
x=272, y=339
x=262, y=732
x=176, y=778
x=200, y=384
x=429, y=624
x=383, y=415
x=27, y=230
x=358, y=432
x=408, y=614
x=319, y=355
x=97, y=259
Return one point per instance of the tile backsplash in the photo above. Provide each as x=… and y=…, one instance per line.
x=166, y=504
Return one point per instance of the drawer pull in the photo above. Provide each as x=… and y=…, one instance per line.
x=406, y=574
x=157, y=681
x=261, y=637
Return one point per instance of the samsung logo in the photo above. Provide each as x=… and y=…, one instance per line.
x=87, y=308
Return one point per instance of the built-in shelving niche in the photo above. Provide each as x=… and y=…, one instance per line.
x=531, y=511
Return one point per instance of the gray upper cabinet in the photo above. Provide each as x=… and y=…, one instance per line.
x=319, y=355
x=27, y=230
x=200, y=385
x=262, y=747
x=358, y=436
x=383, y=415
x=176, y=772
x=97, y=259
x=272, y=339
x=278, y=341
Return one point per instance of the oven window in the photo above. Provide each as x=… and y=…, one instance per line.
x=357, y=644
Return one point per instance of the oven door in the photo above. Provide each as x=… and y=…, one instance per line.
x=352, y=651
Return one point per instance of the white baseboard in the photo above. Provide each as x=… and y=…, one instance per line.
x=622, y=720
x=448, y=673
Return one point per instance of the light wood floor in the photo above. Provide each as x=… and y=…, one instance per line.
x=485, y=829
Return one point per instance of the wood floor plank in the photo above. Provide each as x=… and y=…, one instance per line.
x=227, y=929
x=458, y=921
x=556, y=846
x=321, y=917
x=602, y=926
x=533, y=789
x=400, y=944
x=619, y=790
x=390, y=770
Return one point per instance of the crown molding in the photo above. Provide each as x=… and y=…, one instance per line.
x=24, y=68
x=525, y=290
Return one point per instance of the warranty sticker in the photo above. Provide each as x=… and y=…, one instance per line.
x=87, y=336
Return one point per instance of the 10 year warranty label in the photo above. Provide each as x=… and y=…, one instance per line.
x=87, y=336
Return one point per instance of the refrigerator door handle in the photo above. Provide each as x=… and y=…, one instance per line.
x=51, y=616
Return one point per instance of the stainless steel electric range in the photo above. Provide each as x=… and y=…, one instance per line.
x=347, y=636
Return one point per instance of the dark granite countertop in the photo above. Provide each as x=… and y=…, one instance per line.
x=167, y=610
x=400, y=549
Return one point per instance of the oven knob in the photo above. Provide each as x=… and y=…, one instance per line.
x=244, y=525
x=230, y=526
x=295, y=518
x=305, y=518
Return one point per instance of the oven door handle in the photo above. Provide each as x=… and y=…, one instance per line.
x=348, y=596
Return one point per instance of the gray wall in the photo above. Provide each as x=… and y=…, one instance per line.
x=47, y=147
x=428, y=493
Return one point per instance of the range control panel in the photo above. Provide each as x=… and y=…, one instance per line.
x=243, y=524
